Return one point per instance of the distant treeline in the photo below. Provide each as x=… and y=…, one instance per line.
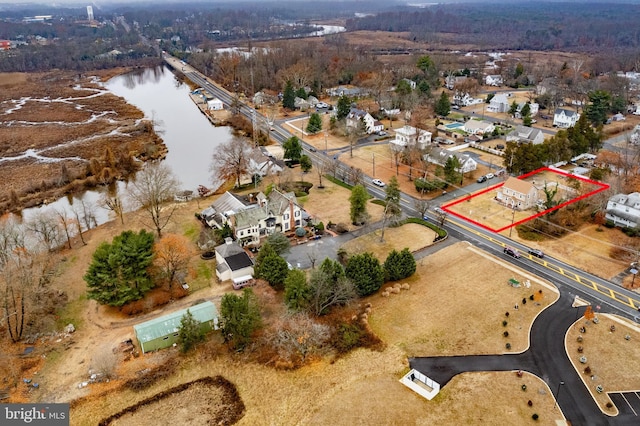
x=588, y=27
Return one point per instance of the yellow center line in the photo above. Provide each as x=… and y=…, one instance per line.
x=602, y=289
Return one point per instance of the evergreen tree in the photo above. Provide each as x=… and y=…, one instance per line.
x=366, y=273
x=305, y=163
x=270, y=266
x=189, y=333
x=343, y=107
x=443, y=105
x=301, y=93
x=315, y=123
x=292, y=149
x=513, y=108
x=600, y=105
x=279, y=242
x=399, y=265
x=239, y=318
x=358, y=200
x=451, y=168
x=296, y=290
x=118, y=273
x=332, y=268
x=289, y=96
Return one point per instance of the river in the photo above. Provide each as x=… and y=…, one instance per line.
x=190, y=138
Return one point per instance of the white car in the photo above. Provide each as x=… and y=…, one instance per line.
x=378, y=182
x=322, y=105
x=490, y=176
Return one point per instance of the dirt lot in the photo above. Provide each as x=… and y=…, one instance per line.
x=81, y=120
x=411, y=236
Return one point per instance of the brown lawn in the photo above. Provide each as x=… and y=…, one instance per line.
x=614, y=361
x=411, y=235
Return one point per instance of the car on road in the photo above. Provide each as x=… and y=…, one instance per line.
x=481, y=179
x=510, y=251
x=382, y=133
x=489, y=175
x=536, y=253
x=378, y=182
x=312, y=149
x=438, y=210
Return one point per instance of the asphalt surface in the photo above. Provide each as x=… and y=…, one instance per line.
x=546, y=358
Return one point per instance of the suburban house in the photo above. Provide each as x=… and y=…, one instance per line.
x=346, y=91
x=565, y=118
x=499, y=103
x=477, y=127
x=533, y=109
x=220, y=212
x=451, y=81
x=162, y=332
x=358, y=117
x=261, y=165
x=517, y=194
x=493, y=80
x=440, y=156
x=409, y=136
x=262, y=216
x=232, y=261
x=464, y=99
x=524, y=134
x=624, y=210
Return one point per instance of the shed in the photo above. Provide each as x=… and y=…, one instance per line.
x=215, y=104
x=162, y=332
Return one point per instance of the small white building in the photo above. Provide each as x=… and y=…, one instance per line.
x=624, y=210
x=493, y=80
x=499, y=103
x=232, y=261
x=440, y=156
x=215, y=104
x=524, y=134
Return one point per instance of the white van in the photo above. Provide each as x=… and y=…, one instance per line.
x=243, y=281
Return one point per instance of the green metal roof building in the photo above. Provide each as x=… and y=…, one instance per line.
x=162, y=332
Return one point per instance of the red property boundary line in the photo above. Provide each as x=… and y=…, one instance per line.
x=600, y=187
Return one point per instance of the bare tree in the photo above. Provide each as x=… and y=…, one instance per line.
x=114, y=203
x=12, y=237
x=327, y=291
x=66, y=223
x=298, y=336
x=422, y=206
x=154, y=185
x=230, y=161
x=46, y=228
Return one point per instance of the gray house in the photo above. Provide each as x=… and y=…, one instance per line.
x=624, y=210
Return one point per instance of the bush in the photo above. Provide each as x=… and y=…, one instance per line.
x=508, y=346
x=348, y=336
x=505, y=334
x=504, y=323
x=535, y=416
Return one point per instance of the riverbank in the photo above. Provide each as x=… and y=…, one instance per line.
x=76, y=135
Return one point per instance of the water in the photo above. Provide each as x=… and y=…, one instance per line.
x=190, y=138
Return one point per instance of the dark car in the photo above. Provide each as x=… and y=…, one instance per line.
x=482, y=179
x=511, y=252
x=536, y=253
x=312, y=149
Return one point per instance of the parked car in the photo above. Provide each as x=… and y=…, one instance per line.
x=489, y=175
x=378, y=182
x=322, y=105
x=499, y=146
x=481, y=179
x=382, y=133
x=511, y=252
x=536, y=253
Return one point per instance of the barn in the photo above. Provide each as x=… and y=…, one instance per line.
x=162, y=332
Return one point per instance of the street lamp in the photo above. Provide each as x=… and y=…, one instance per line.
x=558, y=394
x=634, y=272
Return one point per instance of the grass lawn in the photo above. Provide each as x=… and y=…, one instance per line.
x=410, y=235
x=613, y=360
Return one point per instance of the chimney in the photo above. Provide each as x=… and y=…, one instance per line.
x=228, y=240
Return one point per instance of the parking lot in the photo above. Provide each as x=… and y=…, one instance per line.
x=627, y=402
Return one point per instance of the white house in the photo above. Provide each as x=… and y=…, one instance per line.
x=565, y=118
x=409, y=136
x=517, y=194
x=524, y=134
x=493, y=80
x=451, y=81
x=624, y=210
x=477, y=127
x=232, y=261
x=358, y=117
x=215, y=104
x=464, y=99
x=440, y=156
x=499, y=103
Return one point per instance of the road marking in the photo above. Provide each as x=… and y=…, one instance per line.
x=602, y=289
x=625, y=400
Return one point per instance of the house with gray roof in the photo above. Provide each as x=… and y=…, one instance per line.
x=564, y=118
x=440, y=156
x=499, y=103
x=232, y=261
x=624, y=210
x=524, y=134
x=222, y=209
